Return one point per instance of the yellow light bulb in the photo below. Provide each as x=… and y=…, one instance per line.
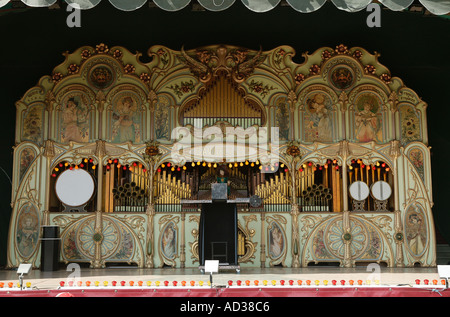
x=163, y=165
x=56, y=169
x=93, y=167
x=230, y=165
x=193, y=164
x=198, y=163
x=215, y=165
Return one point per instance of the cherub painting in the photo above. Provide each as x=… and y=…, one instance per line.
x=126, y=121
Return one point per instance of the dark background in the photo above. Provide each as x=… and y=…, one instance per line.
x=414, y=47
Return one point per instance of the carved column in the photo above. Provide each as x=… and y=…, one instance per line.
x=150, y=212
x=49, y=154
x=151, y=157
x=347, y=239
x=98, y=262
x=295, y=249
x=399, y=236
x=183, y=241
x=263, y=239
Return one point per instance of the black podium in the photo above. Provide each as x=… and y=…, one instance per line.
x=218, y=233
x=50, y=244
x=218, y=229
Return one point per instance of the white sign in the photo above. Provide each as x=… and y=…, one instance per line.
x=212, y=266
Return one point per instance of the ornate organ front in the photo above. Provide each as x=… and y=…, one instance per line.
x=337, y=123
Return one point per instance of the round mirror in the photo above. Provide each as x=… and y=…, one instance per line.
x=74, y=187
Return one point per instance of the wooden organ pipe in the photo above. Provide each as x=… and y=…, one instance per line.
x=221, y=102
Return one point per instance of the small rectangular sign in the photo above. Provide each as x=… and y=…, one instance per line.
x=211, y=266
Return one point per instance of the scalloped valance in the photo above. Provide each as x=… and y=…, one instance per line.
x=437, y=7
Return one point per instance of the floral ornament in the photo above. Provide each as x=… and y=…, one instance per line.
x=386, y=78
x=326, y=55
x=182, y=88
x=85, y=54
x=73, y=69
x=293, y=151
x=161, y=52
x=102, y=48
x=341, y=49
x=357, y=54
x=369, y=69
x=163, y=55
x=314, y=69
x=129, y=69
x=57, y=77
x=152, y=150
x=299, y=78
x=117, y=54
x=279, y=55
x=259, y=88
x=145, y=78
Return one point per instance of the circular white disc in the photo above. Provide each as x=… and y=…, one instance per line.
x=381, y=190
x=74, y=187
x=359, y=190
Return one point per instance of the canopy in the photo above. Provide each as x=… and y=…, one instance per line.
x=437, y=7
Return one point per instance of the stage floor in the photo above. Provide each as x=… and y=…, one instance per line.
x=265, y=282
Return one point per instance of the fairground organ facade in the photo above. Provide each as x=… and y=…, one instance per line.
x=346, y=178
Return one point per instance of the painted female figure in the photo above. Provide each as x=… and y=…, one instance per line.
x=319, y=121
x=124, y=128
x=366, y=124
